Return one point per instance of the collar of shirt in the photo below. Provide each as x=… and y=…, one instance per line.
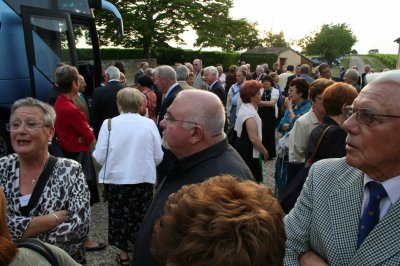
x=392, y=187
x=170, y=89
x=113, y=80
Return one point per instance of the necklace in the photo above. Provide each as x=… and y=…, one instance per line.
x=34, y=179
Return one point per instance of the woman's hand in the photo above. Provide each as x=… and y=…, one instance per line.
x=288, y=103
x=60, y=216
x=265, y=156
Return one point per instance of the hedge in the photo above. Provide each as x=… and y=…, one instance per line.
x=167, y=56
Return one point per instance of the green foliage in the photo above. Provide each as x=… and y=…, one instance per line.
x=386, y=59
x=332, y=41
x=167, y=56
x=275, y=40
x=258, y=59
x=152, y=23
x=228, y=34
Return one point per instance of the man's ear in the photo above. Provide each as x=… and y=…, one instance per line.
x=197, y=134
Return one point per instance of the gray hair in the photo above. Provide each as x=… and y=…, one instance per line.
x=149, y=72
x=49, y=114
x=352, y=74
x=213, y=70
x=387, y=76
x=182, y=73
x=113, y=72
x=261, y=68
x=166, y=72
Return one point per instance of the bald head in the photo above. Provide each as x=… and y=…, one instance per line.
x=203, y=107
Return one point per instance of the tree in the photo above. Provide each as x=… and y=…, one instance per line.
x=150, y=23
x=228, y=34
x=275, y=40
x=332, y=41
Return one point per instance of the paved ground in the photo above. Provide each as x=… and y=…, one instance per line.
x=99, y=224
x=357, y=61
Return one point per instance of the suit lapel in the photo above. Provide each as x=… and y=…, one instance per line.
x=382, y=242
x=345, y=217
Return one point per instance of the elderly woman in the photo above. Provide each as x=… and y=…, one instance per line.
x=129, y=149
x=297, y=104
x=55, y=210
x=333, y=144
x=249, y=128
x=222, y=221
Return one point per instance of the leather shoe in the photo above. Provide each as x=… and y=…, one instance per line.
x=100, y=246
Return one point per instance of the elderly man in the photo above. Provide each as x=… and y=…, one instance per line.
x=193, y=131
x=351, y=77
x=142, y=70
x=215, y=86
x=198, y=78
x=348, y=212
x=105, y=99
x=259, y=73
x=165, y=80
x=182, y=74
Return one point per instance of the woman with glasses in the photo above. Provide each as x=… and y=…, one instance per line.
x=55, y=211
x=333, y=144
x=129, y=149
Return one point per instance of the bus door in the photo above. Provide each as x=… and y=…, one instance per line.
x=48, y=41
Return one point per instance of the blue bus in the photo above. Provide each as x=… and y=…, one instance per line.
x=35, y=36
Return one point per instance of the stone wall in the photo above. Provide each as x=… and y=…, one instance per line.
x=131, y=65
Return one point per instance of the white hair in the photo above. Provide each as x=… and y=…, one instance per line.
x=113, y=72
x=213, y=70
x=387, y=76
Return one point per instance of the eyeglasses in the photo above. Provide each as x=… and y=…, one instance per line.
x=29, y=125
x=170, y=119
x=363, y=115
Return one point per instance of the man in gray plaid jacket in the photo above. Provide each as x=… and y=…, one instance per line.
x=326, y=224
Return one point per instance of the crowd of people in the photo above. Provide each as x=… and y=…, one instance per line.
x=180, y=156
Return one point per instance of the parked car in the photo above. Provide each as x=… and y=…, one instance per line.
x=317, y=60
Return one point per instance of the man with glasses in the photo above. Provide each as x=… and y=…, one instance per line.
x=193, y=131
x=325, y=72
x=348, y=212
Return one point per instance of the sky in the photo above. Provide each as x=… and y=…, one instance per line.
x=376, y=24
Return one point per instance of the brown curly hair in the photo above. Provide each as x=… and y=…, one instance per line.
x=222, y=221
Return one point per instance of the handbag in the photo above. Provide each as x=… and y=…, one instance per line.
x=294, y=188
x=39, y=247
x=85, y=159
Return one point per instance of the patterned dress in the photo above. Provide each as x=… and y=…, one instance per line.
x=66, y=189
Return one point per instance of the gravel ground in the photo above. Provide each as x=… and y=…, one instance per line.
x=99, y=226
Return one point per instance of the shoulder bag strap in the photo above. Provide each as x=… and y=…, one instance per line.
x=39, y=247
x=311, y=160
x=38, y=190
x=108, y=144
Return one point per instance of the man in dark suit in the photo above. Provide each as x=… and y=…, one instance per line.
x=165, y=79
x=143, y=67
x=211, y=78
x=105, y=99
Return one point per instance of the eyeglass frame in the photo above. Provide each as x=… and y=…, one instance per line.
x=10, y=127
x=168, y=117
x=369, y=113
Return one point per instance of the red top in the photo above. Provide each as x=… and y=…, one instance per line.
x=151, y=102
x=71, y=125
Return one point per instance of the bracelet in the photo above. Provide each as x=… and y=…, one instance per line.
x=58, y=220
